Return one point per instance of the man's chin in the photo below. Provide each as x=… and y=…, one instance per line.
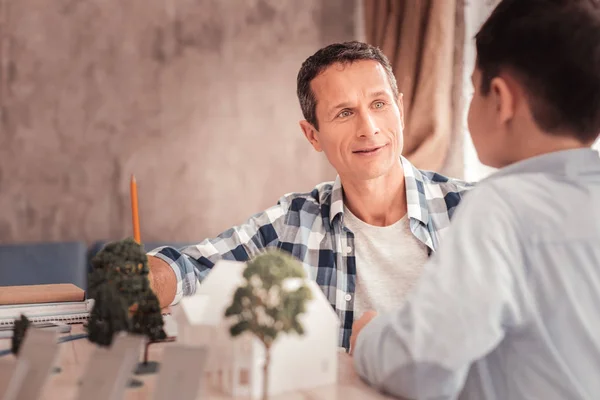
x=366, y=171
x=369, y=174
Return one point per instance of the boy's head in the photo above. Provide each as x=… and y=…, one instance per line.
x=536, y=79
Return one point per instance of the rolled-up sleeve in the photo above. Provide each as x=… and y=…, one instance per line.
x=457, y=313
x=186, y=269
x=191, y=264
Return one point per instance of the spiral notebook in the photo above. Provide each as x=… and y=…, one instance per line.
x=64, y=303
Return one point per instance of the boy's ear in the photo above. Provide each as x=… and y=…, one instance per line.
x=504, y=98
x=311, y=134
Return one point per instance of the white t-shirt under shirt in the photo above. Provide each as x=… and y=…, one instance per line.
x=389, y=260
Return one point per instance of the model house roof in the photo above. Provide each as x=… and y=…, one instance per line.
x=207, y=306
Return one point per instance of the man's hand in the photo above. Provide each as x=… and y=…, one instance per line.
x=358, y=325
x=163, y=281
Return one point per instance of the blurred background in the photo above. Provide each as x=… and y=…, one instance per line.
x=197, y=98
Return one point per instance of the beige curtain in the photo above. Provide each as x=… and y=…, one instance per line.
x=423, y=40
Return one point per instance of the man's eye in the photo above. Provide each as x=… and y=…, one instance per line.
x=344, y=114
x=379, y=104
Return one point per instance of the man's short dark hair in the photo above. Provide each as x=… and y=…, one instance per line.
x=552, y=48
x=342, y=53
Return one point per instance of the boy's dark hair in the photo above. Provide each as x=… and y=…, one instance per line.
x=552, y=47
x=343, y=53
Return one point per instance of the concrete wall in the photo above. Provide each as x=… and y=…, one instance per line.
x=194, y=97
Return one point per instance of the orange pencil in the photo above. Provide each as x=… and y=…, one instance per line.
x=134, y=210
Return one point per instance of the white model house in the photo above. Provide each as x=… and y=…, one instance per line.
x=297, y=362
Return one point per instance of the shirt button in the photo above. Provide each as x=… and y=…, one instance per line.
x=348, y=250
x=348, y=297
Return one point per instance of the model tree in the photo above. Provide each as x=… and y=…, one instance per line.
x=124, y=301
x=269, y=302
x=19, y=330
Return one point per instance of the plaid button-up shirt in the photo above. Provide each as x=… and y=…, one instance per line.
x=310, y=226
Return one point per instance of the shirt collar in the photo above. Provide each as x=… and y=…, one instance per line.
x=415, y=194
x=416, y=201
x=337, y=200
x=568, y=162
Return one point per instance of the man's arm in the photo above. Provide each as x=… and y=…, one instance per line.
x=174, y=273
x=457, y=313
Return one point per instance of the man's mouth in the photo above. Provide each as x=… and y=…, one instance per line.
x=369, y=150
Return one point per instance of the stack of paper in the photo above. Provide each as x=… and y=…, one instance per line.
x=44, y=303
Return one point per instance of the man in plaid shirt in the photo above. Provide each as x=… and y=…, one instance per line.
x=364, y=237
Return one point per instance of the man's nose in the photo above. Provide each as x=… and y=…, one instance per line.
x=368, y=125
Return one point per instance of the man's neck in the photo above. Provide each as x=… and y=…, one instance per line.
x=380, y=201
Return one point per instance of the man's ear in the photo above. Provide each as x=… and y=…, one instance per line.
x=401, y=108
x=503, y=93
x=311, y=134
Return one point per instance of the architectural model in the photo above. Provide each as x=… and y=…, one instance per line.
x=237, y=363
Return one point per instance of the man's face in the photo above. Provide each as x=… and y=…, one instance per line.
x=360, y=121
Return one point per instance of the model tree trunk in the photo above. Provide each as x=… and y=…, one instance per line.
x=265, y=393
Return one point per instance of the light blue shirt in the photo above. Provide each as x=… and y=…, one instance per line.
x=509, y=308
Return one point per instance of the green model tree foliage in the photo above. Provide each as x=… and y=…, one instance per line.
x=123, y=263
x=19, y=331
x=265, y=306
x=109, y=316
x=118, y=283
x=147, y=320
